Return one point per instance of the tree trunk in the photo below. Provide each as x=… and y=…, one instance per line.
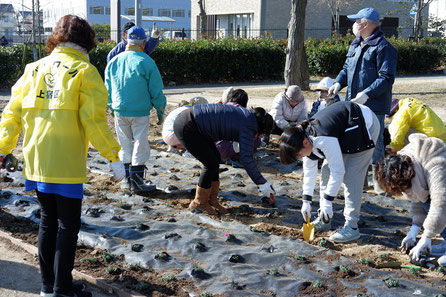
x=202, y=19
x=296, y=65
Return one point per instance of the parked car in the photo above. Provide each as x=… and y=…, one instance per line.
x=176, y=35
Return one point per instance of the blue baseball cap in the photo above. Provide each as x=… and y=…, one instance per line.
x=136, y=33
x=366, y=13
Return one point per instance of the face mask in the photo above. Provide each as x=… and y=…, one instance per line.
x=356, y=30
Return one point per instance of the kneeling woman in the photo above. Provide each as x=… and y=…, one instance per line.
x=344, y=134
x=200, y=127
x=418, y=171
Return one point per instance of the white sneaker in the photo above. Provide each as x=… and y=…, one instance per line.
x=319, y=225
x=346, y=234
x=42, y=294
x=439, y=249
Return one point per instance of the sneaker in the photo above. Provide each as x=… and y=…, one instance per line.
x=172, y=149
x=439, y=249
x=346, y=234
x=319, y=225
x=43, y=294
x=76, y=287
x=442, y=260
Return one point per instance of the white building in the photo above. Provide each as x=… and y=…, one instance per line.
x=8, y=22
x=437, y=12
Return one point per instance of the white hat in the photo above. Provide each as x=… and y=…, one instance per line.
x=324, y=84
x=226, y=94
x=294, y=94
x=198, y=100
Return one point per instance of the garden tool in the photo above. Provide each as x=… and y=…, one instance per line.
x=308, y=230
x=9, y=162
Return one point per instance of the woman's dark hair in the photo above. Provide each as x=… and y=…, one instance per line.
x=291, y=142
x=239, y=96
x=395, y=173
x=264, y=121
x=71, y=28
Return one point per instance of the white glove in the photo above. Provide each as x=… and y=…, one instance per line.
x=423, y=244
x=267, y=189
x=236, y=147
x=411, y=239
x=361, y=98
x=306, y=209
x=325, y=210
x=118, y=170
x=334, y=90
x=155, y=31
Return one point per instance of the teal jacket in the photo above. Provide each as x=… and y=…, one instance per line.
x=134, y=85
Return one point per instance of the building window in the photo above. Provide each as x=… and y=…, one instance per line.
x=178, y=13
x=130, y=11
x=107, y=10
x=164, y=12
x=147, y=11
x=188, y=14
x=96, y=9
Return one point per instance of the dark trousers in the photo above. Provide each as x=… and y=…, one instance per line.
x=60, y=221
x=201, y=148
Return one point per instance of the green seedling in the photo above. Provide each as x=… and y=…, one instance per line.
x=274, y=271
x=124, y=205
x=113, y=269
x=103, y=197
x=322, y=242
x=162, y=256
x=107, y=257
x=345, y=269
x=135, y=266
x=92, y=260
x=413, y=271
x=168, y=278
x=206, y=294
x=141, y=286
x=383, y=256
x=80, y=244
x=391, y=283
x=253, y=229
x=299, y=258
x=317, y=284
x=366, y=261
x=441, y=269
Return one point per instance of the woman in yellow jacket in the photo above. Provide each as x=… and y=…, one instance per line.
x=59, y=105
x=411, y=113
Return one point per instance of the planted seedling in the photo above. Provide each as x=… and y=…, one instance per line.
x=162, y=256
x=198, y=272
x=91, y=260
x=317, y=284
x=168, y=278
x=237, y=286
x=113, y=269
x=206, y=294
x=391, y=283
x=135, y=266
x=383, y=256
x=137, y=247
x=147, y=200
x=172, y=235
x=80, y=244
x=253, y=229
x=413, y=271
x=141, y=286
x=107, y=257
x=322, y=242
x=274, y=272
x=200, y=247
x=299, y=258
x=142, y=227
x=145, y=208
x=441, y=269
x=124, y=205
x=236, y=259
x=346, y=270
x=366, y=261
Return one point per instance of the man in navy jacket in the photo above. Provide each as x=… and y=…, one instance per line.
x=150, y=46
x=369, y=72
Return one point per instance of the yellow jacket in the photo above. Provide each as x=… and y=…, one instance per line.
x=59, y=104
x=413, y=113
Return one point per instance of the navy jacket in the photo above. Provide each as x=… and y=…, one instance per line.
x=226, y=122
x=370, y=68
x=150, y=46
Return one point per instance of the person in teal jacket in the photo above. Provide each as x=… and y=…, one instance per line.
x=134, y=87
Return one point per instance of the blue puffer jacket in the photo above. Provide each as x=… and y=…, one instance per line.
x=226, y=122
x=371, y=68
x=150, y=46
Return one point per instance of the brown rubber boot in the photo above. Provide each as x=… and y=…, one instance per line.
x=213, y=200
x=201, y=201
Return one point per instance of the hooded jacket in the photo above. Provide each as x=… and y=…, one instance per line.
x=59, y=104
x=413, y=113
x=283, y=114
x=429, y=157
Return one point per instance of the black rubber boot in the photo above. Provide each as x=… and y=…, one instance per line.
x=127, y=175
x=137, y=180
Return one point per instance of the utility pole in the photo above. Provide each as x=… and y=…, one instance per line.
x=138, y=12
x=34, y=32
x=39, y=29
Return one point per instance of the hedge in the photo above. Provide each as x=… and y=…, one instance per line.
x=235, y=60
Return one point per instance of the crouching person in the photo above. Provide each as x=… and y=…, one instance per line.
x=418, y=172
x=200, y=127
x=58, y=118
x=134, y=87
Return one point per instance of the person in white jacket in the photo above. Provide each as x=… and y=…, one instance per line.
x=289, y=108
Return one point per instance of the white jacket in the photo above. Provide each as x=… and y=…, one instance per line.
x=283, y=114
x=170, y=120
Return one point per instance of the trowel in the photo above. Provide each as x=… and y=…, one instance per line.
x=308, y=230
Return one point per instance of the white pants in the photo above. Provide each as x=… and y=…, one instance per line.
x=132, y=135
x=355, y=170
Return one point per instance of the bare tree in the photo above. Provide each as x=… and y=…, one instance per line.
x=296, y=65
x=203, y=18
x=334, y=6
x=418, y=26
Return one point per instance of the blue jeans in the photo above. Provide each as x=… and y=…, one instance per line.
x=426, y=206
x=378, y=153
